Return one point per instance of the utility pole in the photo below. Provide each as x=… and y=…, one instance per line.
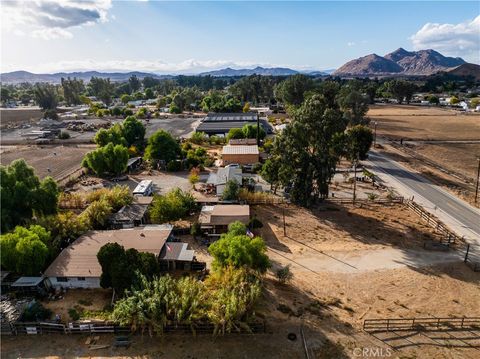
x=354, y=180
x=258, y=130
x=375, y=135
x=478, y=177
x=284, y=225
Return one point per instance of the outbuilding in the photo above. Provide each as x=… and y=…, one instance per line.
x=241, y=154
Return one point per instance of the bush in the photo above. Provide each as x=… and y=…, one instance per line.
x=195, y=230
x=238, y=250
x=74, y=315
x=231, y=191
x=51, y=114
x=117, y=111
x=174, y=166
x=127, y=112
x=63, y=135
x=198, y=138
x=284, y=274
x=35, y=312
x=172, y=206
x=255, y=223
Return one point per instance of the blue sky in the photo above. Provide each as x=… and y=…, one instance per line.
x=188, y=37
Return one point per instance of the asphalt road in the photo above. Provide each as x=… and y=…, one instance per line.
x=464, y=217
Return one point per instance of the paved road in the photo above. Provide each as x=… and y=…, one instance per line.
x=459, y=215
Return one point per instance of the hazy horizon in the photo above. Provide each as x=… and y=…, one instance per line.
x=193, y=37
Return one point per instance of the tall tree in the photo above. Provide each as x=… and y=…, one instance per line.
x=46, y=96
x=292, y=90
x=134, y=83
x=72, y=89
x=307, y=151
x=22, y=194
x=102, y=89
x=108, y=160
x=162, y=146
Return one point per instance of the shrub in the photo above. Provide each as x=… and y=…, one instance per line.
x=238, y=250
x=63, y=135
x=73, y=313
x=174, y=166
x=198, y=138
x=172, y=206
x=35, y=312
x=51, y=114
x=195, y=230
x=231, y=191
x=284, y=274
x=117, y=111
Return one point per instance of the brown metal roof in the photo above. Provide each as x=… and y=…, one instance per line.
x=80, y=258
x=242, y=141
x=224, y=214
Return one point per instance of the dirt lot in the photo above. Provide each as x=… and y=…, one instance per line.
x=424, y=123
x=330, y=295
x=61, y=160
x=89, y=299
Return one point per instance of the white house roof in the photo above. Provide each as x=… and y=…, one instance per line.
x=240, y=150
x=224, y=174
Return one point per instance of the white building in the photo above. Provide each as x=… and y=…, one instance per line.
x=77, y=265
x=223, y=175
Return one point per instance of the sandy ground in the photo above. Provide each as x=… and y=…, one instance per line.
x=60, y=160
x=330, y=294
x=89, y=299
x=424, y=123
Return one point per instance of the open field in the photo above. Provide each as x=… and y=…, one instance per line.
x=424, y=123
x=458, y=157
x=56, y=161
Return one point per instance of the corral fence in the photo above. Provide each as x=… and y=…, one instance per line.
x=421, y=324
x=37, y=328
x=380, y=201
x=472, y=256
x=449, y=236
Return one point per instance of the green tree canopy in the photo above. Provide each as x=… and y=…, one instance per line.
x=292, y=90
x=174, y=205
x=46, y=96
x=238, y=250
x=23, y=194
x=162, y=146
x=108, y=160
x=25, y=250
x=230, y=193
x=72, y=89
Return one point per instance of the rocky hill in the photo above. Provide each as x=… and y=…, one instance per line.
x=467, y=70
x=400, y=62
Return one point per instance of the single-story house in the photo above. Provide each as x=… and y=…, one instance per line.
x=215, y=219
x=129, y=216
x=77, y=265
x=244, y=155
x=223, y=175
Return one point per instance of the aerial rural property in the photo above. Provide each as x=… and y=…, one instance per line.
x=240, y=179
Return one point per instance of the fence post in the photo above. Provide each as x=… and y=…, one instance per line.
x=466, y=253
x=388, y=325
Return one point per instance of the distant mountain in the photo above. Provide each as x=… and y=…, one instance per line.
x=400, y=62
x=25, y=76
x=369, y=65
x=466, y=70
x=272, y=71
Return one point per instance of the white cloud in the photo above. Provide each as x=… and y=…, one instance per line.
x=50, y=19
x=350, y=44
x=461, y=39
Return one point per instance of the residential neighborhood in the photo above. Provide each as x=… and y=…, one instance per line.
x=212, y=209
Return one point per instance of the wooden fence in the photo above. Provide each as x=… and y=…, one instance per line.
x=99, y=327
x=421, y=324
x=434, y=222
x=472, y=257
x=399, y=200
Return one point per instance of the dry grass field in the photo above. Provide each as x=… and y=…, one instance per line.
x=458, y=157
x=424, y=123
x=17, y=116
x=58, y=162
